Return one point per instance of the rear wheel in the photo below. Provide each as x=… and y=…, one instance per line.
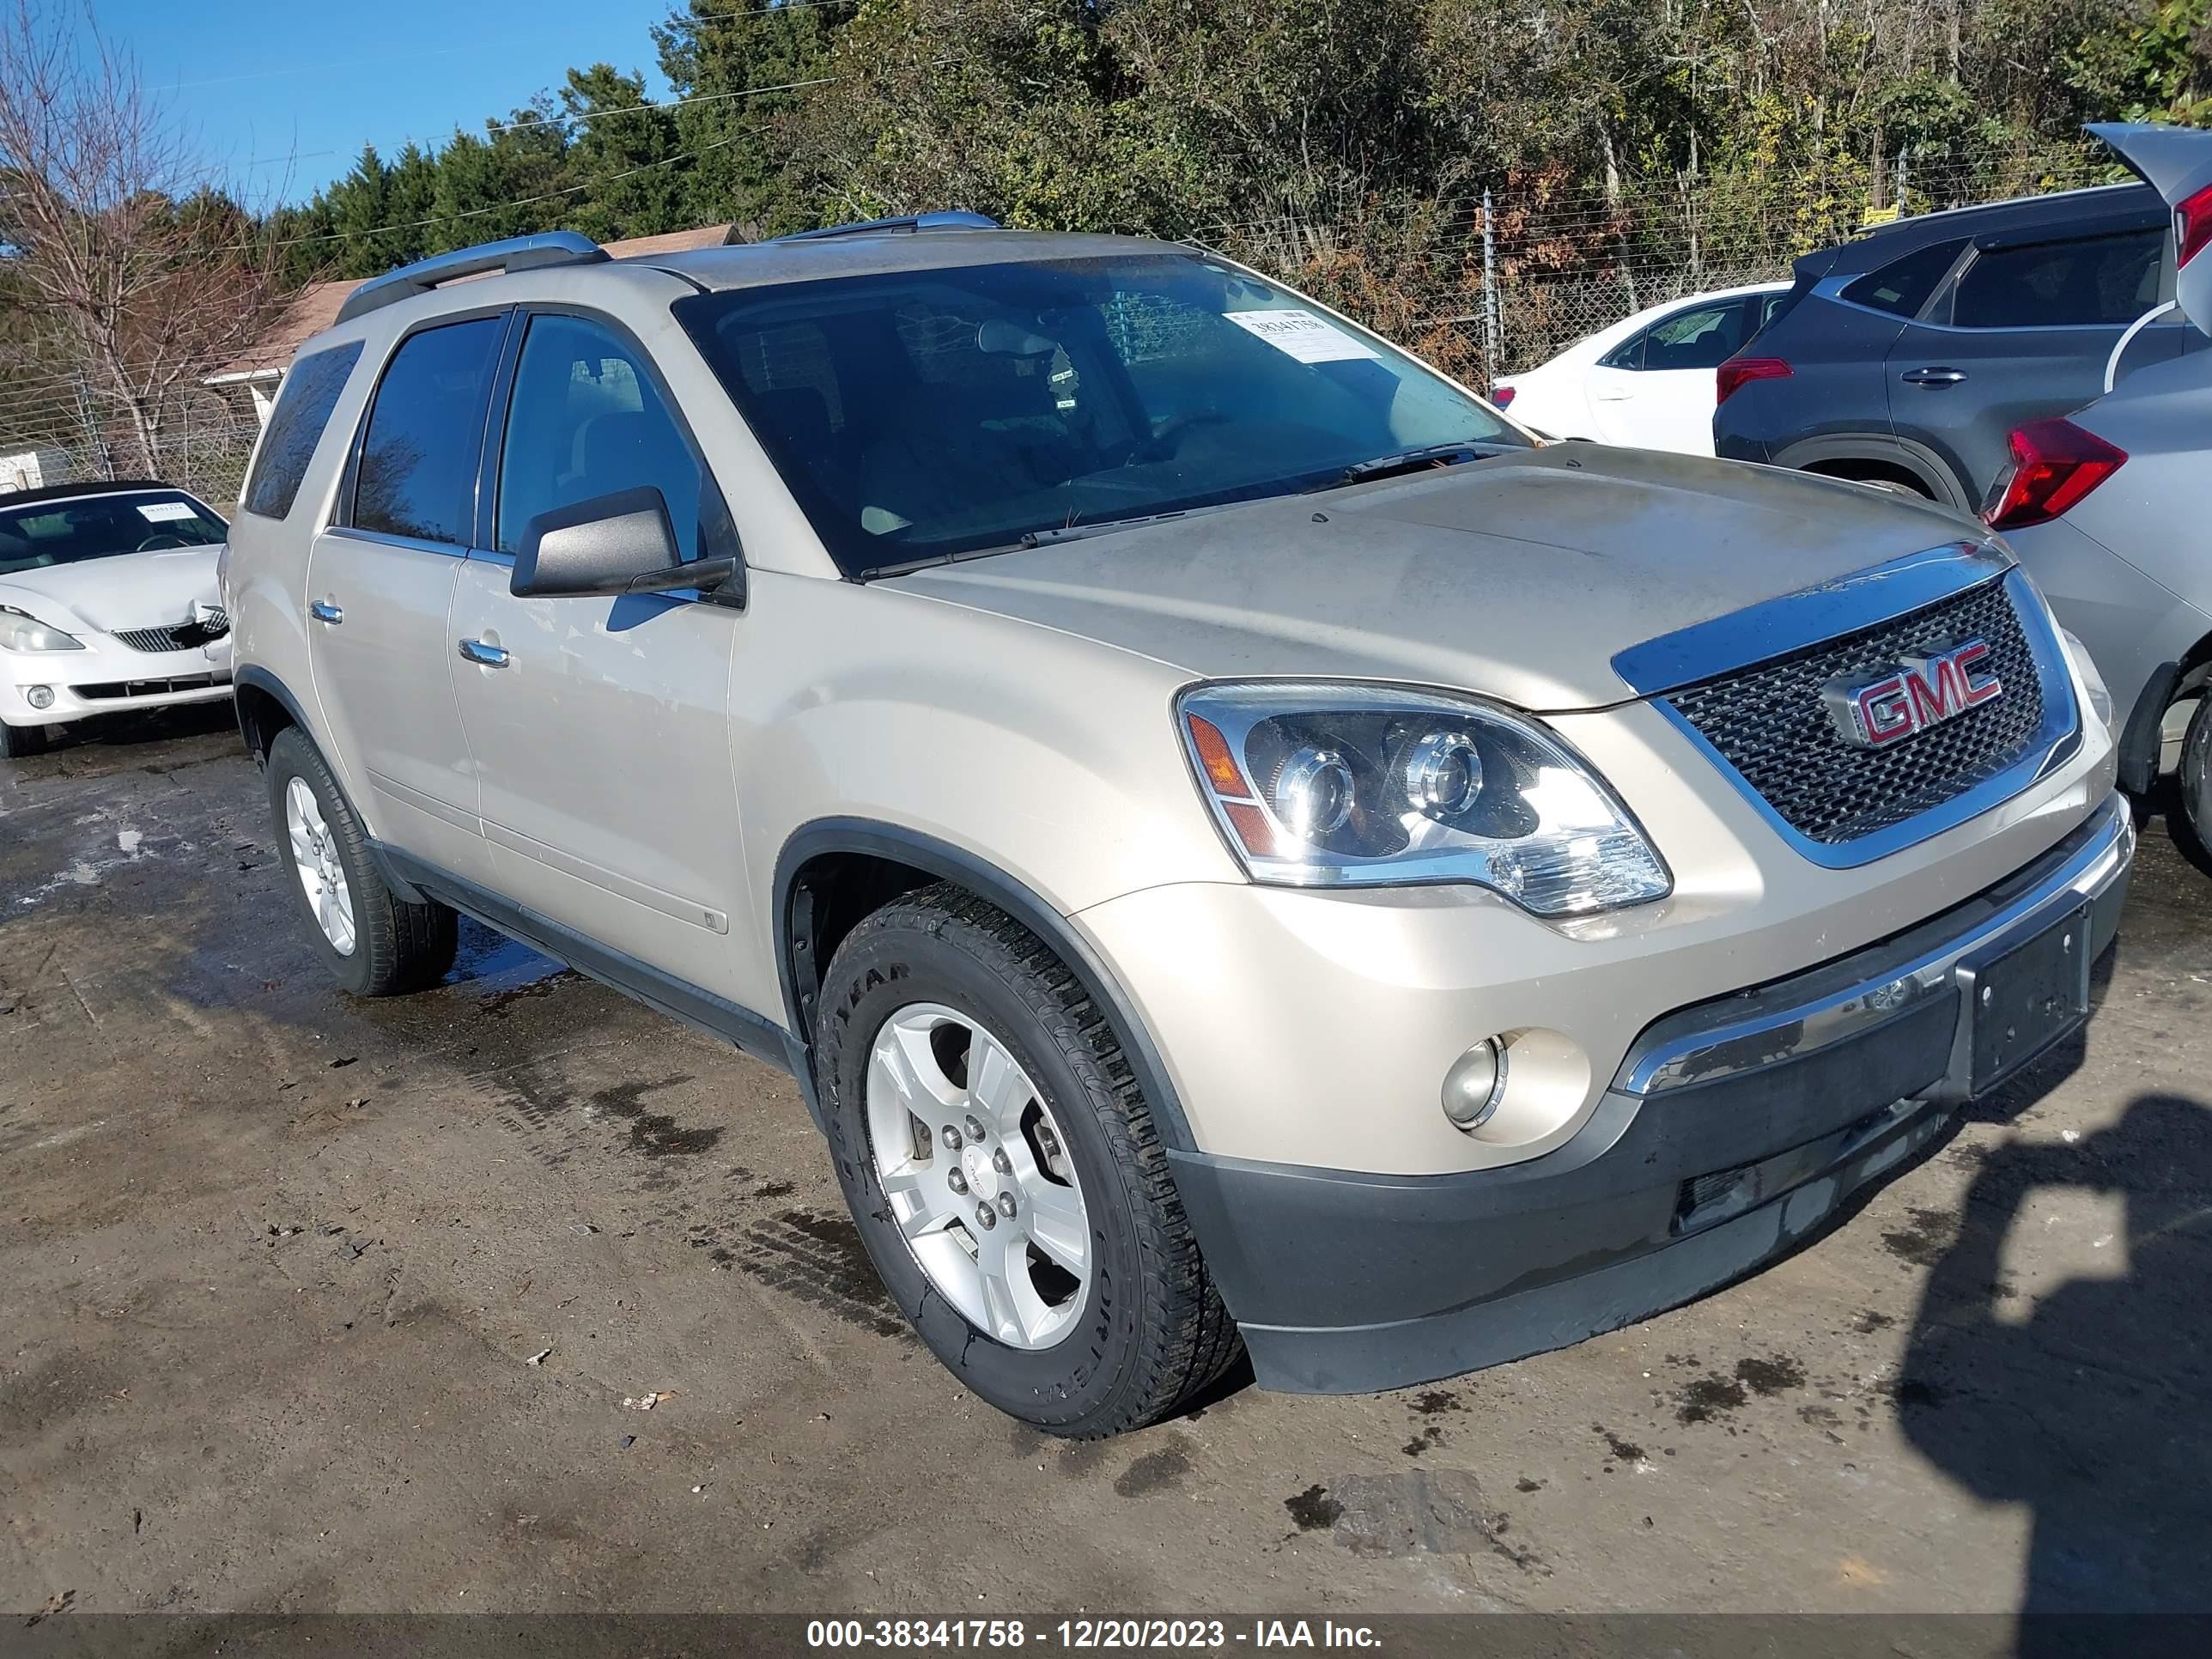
x=1005, y=1173
x=375, y=944
x=21, y=742
x=2193, y=784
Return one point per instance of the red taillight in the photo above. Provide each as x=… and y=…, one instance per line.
x=2055, y=464
x=1740, y=371
x=1501, y=395
x=2192, y=226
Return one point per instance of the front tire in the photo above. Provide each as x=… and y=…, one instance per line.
x=1003, y=1170
x=375, y=944
x=21, y=742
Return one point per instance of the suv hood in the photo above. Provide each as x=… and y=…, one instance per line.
x=1519, y=577
x=129, y=590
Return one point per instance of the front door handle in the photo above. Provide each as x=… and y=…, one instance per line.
x=484, y=656
x=1934, y=376
x=324, y=611
x=1614, y=394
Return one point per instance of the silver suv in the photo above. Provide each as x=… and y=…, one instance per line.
x=1238, y=844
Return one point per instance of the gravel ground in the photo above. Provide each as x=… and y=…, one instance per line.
x=314, y=1305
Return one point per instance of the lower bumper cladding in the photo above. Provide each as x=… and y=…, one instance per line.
x=1734, y=1130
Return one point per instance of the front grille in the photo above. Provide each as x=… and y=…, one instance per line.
x=112, y=690
x=182, y=636
x=1771, y=724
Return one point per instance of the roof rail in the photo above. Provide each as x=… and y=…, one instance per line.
x=552, y=248
x=956, y=220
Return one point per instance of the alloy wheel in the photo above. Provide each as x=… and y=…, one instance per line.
x=977, y=1174
x=315, y=860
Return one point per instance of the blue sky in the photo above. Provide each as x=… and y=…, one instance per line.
x=260, y=81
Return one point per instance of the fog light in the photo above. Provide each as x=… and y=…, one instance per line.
x=1475, y=1085
x=41, y=696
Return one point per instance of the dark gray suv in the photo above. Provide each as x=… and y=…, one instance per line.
x=1907, y=355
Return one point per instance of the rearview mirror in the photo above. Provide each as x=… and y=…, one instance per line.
x=613, y=544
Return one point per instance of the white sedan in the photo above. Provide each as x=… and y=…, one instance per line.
x=1647, y=381
x=108, y=603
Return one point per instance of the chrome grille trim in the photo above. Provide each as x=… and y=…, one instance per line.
x=2056, y=735
x=177, y=637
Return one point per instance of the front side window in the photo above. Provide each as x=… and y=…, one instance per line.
x=1904, y=285
x=1702, y=337
x=2100, y=279
x=586, y=420
x=920, y=415
x=303, y=409
x=1705, y=338
x=418, y=457
x=75, y=529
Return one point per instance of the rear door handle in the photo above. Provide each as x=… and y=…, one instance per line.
x=484, y=656
x=1934, y=376
x=324, y=611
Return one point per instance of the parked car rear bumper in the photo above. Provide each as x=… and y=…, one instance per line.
x=1345, y=1282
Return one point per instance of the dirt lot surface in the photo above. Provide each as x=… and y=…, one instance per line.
x=309, y=1304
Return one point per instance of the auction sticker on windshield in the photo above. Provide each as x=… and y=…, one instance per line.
x=161, y=512
x=1308, y=338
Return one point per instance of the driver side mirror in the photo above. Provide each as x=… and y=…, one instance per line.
x=613, y=544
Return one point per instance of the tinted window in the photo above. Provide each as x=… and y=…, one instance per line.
x=418, y=461
x=921, y=414
x=72, y=530
x=303, y=409
x=586, y=420
x=1903, y=285
x=2104, y=279
x=1702, y=338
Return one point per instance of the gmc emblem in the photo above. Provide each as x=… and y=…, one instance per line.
x=1918, y=693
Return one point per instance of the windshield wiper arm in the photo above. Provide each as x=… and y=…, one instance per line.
x=1415, y=460
x=1070, y=533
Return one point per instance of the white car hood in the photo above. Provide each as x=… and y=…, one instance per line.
x=131, y=590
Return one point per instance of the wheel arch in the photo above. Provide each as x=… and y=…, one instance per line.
x=833, y=871
x=1889, y=455
x=266, y=707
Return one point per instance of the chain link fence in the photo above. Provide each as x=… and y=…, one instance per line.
x=202, y=443
x=1508, y=280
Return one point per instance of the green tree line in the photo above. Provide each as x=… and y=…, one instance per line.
x=1185, y=117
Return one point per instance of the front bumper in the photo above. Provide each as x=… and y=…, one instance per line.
x=1733, y=1129
x=108, y=679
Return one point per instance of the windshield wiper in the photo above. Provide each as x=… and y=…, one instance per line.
x=1069, y=532
x=1416, y=460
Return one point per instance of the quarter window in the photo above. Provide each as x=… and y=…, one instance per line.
x=303, y=409
x=1902, y=286
x=418, y=459
x=586, y=420
x=2102, y=279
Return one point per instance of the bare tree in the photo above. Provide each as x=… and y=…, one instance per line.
x=111, y=222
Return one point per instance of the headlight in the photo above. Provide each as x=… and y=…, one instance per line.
x=1320, y=785
x=2101, y=697
x=19, y=632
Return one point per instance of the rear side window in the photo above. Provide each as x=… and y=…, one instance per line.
x=2101, y=279
x=418, y=457
x=303, y=409
x=1903, y=285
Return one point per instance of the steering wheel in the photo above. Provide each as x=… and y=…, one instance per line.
x=1163, y=444
x=162, y=541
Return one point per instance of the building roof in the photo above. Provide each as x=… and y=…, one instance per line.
x=315, y=307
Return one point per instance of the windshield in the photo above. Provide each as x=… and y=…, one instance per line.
x=75, y=529
x=921, y=415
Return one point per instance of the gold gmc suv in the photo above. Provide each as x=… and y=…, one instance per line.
x=1239, y=844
